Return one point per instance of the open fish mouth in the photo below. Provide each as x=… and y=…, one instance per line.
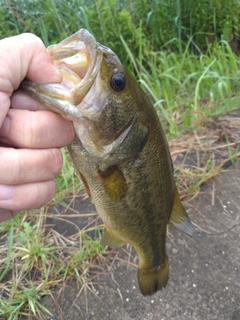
x=83, y=93
x=78, y=57
x=73, y=53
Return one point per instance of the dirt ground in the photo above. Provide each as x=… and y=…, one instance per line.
x=204, y=278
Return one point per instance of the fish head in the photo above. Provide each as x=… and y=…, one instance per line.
x=97, y=93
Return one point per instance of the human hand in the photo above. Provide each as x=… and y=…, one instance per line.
x=29, y=134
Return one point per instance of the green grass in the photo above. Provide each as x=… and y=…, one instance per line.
x=188, y=83
x=187, y=88
x=68, y=183
x=36, y=259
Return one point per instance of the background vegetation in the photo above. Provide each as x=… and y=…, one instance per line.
x=170, y=46
x=159, y=23
x=184, y=54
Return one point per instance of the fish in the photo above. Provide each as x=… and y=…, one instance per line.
x=119, y=151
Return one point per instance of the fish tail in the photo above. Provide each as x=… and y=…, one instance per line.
x=152, y=280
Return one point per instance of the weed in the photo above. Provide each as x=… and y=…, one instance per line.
x=188, y=67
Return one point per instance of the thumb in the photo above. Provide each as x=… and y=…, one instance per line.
x=25, y=56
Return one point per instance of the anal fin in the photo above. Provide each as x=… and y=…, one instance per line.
x=109, y=239
x=179, y=217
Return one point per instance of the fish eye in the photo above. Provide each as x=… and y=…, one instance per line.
x=118, y=81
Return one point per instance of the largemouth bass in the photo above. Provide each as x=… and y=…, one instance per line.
x=119, y=151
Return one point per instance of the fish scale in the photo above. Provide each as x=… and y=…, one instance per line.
x=120, y=152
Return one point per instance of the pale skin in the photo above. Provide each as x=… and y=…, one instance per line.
x=29, y=134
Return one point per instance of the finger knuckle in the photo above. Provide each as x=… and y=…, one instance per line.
x=41, y=194
x=30, y=132
x=44, y=193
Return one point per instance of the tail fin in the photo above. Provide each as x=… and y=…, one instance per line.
x=152, y=280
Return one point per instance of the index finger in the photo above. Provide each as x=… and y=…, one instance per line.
x=22, y=101
x=25, y=56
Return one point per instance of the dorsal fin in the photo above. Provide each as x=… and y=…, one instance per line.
x=179, y=217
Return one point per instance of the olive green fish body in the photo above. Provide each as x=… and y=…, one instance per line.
x=137, y=205
x=120, y=152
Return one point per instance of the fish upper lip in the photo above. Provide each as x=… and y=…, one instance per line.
x=79, y=45
x=78, y=57
x=77, y=49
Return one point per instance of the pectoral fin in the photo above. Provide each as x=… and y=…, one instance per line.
x=109, y=239
x=179, y=217
x=113, y=182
